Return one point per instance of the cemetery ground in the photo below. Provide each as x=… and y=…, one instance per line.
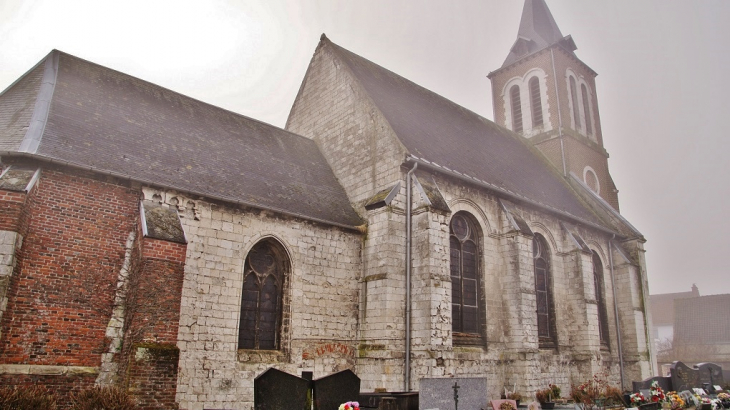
x=700, y=387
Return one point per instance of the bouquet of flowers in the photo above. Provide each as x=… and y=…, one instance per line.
x=676, y=400
x=657, y=394
x=506, y=406
x=350, y=405
x=637, y=399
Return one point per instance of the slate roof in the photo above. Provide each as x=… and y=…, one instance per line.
x=702, y=320
x=437, y=130
x=75, y=112
x=538, y=30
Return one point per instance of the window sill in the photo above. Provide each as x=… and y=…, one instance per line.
x=261, y=356
x=548, y=344
x=468, y=339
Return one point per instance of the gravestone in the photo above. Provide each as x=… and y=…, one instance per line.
x=335, y=389
x=683, y=377
x=276, y=390
x=664, y=382
x=438, y=394
x=711, y=374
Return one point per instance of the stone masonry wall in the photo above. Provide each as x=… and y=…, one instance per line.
x=511, y=355
x=357, y=141
x=319, y=330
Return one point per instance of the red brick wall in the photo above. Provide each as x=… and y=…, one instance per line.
x=157, y=292
x=153, y=314
x=11, y=206
x=153, y=376
x=60, y=386
x=60, y=295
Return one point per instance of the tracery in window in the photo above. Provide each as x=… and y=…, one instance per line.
x=544, y=293
x=535, y=102
x=261, y=300
x=464, y=245
x=600, y=299
x=516, y=104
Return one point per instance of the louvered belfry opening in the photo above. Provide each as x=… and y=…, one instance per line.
x=514, y=95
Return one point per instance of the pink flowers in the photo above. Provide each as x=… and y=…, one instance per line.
x=350, y=405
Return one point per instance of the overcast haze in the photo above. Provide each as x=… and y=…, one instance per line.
x=662, y=98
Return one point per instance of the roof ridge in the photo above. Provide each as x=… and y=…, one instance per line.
x=180, y=94
x=459, y=106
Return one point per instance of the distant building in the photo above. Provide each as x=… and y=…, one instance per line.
x=702, y=330
x=662, y=313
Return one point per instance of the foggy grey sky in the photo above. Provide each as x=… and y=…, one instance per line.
x=663, y=99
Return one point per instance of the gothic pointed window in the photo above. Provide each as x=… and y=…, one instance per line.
x=261, y=298
x=586, y=109
x=600, y=299
x=544, y=293
x=535, y=102
x=516, y=105
x=576, y=108
x=466, y=304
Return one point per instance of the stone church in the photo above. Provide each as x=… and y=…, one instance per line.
x=179, y=249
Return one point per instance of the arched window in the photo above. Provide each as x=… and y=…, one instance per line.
x=464, y=242
x=514, y=96
x=586, y=109
x=600, y=299
x=535, y=102
x=261, y=300
x=574, y=99
x=544, y=292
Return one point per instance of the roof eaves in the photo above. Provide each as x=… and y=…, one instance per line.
x=506, y=193
x=222, y=198
x=606, y=205
x=558, y=44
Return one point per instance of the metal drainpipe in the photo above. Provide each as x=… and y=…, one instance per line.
x=407, y=382
x=615, y=309
x=560, y=116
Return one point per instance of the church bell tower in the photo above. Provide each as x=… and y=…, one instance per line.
x=545, y=93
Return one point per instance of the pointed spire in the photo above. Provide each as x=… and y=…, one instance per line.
x=538, y=30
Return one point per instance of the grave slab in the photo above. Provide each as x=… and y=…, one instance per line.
x=438, y=393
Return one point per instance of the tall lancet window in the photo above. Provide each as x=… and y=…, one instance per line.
x=535, y=102
x=574, y=99
x=261, y=300
x=600, y=299
x=464, y=242
x=586, y=109
x=516, y=105
x=544, y=293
